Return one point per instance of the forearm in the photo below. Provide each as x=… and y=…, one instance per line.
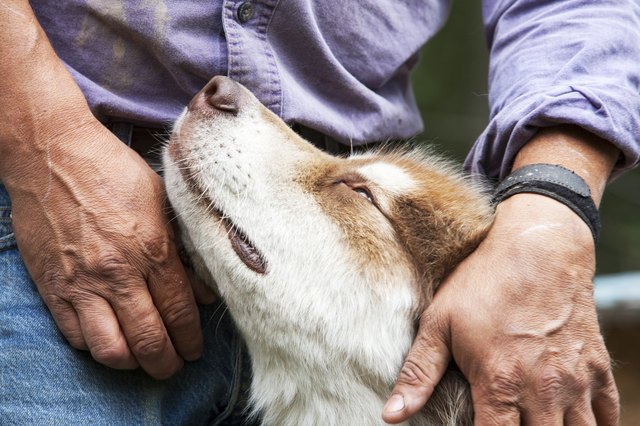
x=38, y=97
x=575, y=149
x=554, y=63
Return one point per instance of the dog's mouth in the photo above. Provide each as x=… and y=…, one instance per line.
x=243, y=247
x=241, y=244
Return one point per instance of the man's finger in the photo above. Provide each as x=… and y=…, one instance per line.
x=498, y=394
x=545, y=404
x=580, y=413
x=486, y=414
x=67, y=321
x=422, y=370
x=173, y=296
x=606, y=401
x=102, y=333
x=551, y=415
x=144, y=330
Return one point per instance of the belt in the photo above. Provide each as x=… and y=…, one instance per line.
x=332, y=146
x=147, y=142
x=143, y=140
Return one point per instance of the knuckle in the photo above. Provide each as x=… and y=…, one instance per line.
x=54, y=301
x=603, y=375
x=505, y=383
x=551, y=381
x=150, y=344
x=56, y=279
x=414, y=375
x=181, y=314
x=581, y=384
x=601, y=367
x=432, y=320
x=602, y=364
x=81, y=297
x=158, y=248
x=112, y=265
x=76, y=340
x=108, y=354
x=128, y=296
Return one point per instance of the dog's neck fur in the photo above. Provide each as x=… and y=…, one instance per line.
x=294, y=386
x=284, y=396
x=303, y=372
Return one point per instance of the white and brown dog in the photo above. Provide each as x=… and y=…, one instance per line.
x=325, y=263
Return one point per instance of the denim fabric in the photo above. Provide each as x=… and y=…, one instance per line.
x=43, y=380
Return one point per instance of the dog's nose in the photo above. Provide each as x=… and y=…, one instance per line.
x=220, y=93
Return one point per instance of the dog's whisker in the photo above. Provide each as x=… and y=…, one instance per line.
x=224, y=312
x=214, y=313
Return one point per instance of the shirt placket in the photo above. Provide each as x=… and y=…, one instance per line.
x=250, y=58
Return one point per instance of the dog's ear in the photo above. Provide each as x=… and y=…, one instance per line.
x=440, y=229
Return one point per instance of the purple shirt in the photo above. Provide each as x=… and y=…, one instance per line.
x=342, y=67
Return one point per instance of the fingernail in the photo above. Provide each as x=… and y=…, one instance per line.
x=395, y=403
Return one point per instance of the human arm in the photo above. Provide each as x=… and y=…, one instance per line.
x=529, y=341
x=552, y=63
x=557, y=63
x=89, y=215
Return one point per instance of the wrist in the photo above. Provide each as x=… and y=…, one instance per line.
x=543, y=220
x=555, y=182
x=573, y=148
x=36, y=140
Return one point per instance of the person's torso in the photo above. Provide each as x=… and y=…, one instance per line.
x=340, y=67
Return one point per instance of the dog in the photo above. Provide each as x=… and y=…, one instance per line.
x=325, y=263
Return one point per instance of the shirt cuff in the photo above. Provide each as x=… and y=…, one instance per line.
x=607, y=113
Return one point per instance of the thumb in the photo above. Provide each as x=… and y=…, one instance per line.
x=423, y=368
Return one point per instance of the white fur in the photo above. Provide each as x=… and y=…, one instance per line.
x=389, y=176
x=326, y=339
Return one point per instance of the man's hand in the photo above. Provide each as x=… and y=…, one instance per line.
x=519, y=318
x=89, y=214
x=91, y=223
x=518, y=314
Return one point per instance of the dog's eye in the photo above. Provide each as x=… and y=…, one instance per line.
x=364, y=193
x=358, y=188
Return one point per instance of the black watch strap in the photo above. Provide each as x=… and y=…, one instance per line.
x=555, y=182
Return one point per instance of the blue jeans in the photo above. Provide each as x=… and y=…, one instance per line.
x=43, y=380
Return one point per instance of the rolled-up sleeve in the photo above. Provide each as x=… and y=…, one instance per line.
x=560, y=62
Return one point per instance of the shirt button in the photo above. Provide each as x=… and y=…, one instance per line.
x=245, y=12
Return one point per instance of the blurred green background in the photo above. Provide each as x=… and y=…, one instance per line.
x=451, y=90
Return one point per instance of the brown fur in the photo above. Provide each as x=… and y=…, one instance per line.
x=433, y=228
x=364, y=227
x=419, y=224
x=443, y=223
